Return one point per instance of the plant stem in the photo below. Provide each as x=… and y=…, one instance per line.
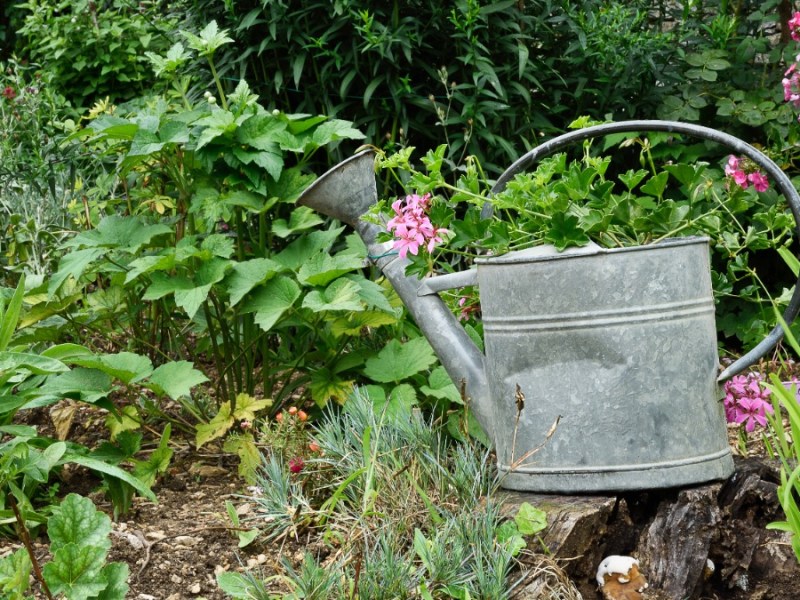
x=26, y=539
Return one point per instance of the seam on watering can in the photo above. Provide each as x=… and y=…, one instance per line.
x=618, y=468
x=601, y=318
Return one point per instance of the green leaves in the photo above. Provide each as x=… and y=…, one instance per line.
x=79, y=544
x=400, y=361
x=210, y=39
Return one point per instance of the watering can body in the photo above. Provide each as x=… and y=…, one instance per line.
x=600, y=370
x=615, y=351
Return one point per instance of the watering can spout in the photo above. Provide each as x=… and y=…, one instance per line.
x=348, y=191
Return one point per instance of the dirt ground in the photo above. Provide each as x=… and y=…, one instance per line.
x=176, y=547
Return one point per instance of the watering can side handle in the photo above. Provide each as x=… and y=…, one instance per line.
x=782, y=183
x=441, y=283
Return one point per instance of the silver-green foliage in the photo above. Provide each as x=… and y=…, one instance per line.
x=410, y=511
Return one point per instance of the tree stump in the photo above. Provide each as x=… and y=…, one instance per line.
x=673, y=533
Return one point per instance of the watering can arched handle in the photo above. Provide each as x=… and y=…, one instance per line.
x=782, y=182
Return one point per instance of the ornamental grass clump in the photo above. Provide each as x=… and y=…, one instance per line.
x=402, y=509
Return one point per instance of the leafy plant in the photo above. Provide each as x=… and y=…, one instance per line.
x=95, y=50
x=31, y=380
x=442, y=226
x=79, y=544
x=205, y=226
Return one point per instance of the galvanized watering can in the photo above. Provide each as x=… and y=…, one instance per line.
x=600, y=370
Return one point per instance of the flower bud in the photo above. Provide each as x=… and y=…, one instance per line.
x=301, y=414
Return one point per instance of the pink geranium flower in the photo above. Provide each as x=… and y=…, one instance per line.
x=759, y=181
x=411, y=226
x=743, y=174
x=747, y=401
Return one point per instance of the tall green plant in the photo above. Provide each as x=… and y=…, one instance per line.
x=199, y=234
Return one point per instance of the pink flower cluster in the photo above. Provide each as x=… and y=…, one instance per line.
x=746, y=401
x=794, y=26
x=412, y=227
x=791, y=84
x=791, y=78
x=737, y=168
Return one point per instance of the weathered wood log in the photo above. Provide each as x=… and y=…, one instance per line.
x=674, y=547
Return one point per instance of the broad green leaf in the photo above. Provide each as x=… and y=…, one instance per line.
x=125, y=366
x=20, y=431
x=441, y=386
x=335, y=129
x=15, y=572
x=341, y=295
x=116, y=577
x=126, y=420
x=354, y=323
x=148, y=264
x=272, y=300
x=259, y=132
x=323, y=268
x=209, y=39
x=192, y=299
x=244, y=446
x=40, y=365
x=88, y=385
x=163, y=285
x=73, y=264
x=302, y=218
x=236, y=585
x=508, y=534
x=398, y=405
x=248, y=274
x=158, y=461
x=247, y=407
x=290, y=185
x=175, y=379
x=530, y=520
x=655, y=185
x=113, y=471
x=220, y=246
x=216, y=427
x=565, y=231
x=302, y=249
x=326, y=385
x=399, y=361
x=77, y=521
x=125, y=233
x=218, y=123
x=74, y=571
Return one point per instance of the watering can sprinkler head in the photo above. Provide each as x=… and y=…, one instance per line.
x=346, y=191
